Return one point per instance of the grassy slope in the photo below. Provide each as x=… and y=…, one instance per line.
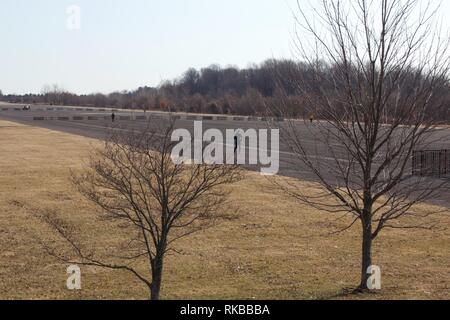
x=274, y=248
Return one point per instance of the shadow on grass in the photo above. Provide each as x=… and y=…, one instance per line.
x=352, y=293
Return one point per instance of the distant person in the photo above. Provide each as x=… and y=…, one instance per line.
x=237, y=141
x=113, y=117
x=311, y=119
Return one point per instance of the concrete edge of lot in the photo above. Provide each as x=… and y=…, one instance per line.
x=134, y=114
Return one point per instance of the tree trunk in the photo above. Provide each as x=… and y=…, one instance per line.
x=157, y=269
x=366, y=258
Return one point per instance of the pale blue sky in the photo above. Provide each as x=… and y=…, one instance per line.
x=127, y=44
x=124, y=44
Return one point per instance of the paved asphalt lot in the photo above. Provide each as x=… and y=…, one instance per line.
x=97, y=124
x=101, y=126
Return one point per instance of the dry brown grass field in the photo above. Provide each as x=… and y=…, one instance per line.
x=271, y=247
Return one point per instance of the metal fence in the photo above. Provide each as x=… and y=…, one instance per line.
x=434, y=163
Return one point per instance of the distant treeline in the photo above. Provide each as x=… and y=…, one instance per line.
x=215, y=90
x=210, y=90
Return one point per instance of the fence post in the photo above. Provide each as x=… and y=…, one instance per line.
x=444, y=161
x=440, y=167
x=422, y=155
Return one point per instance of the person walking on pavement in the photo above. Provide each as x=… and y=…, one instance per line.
x=237, y=140
x=113, y=117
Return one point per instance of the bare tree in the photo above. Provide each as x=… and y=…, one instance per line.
x=53, y=94
x=133, y=180
x=376, y=71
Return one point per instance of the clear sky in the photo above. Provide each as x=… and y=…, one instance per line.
x=124, y=44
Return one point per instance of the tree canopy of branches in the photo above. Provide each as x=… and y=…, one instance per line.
x=133, y=180
x=213, y=89
x=380, y=73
